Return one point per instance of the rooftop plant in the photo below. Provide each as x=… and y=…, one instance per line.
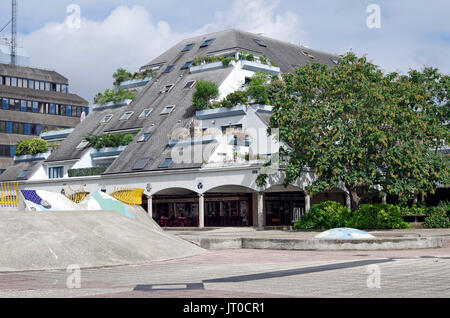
x=205, y=91
x=114, y=95
x=211, y=59
x=31, y=147
x=122, y=75
x=109, y=140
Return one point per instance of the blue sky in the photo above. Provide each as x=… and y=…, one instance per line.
x=118, y=33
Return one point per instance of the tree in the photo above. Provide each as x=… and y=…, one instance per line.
x=205, y=91
x=121, y=75
x=31, y=147
x=357, y=127
x=257, y=90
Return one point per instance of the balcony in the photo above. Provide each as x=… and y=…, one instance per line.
x=238, y=110
x=136, y=83
x=208, y=67
x=56, y=134
x=207, y=139
x=106, y=156
x=259, y=67
x=113, y=104
x=30, y=158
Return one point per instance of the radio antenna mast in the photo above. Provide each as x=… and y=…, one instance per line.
x=14, y=32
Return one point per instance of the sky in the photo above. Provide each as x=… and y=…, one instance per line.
x=410, y=34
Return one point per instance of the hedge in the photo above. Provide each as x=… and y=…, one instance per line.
x=86, y=172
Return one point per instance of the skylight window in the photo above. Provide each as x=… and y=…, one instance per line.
x=23, y=174
x=145, y=113
x=186, y=65
x=169, y=68
x=206, y=43
x=126, y=116
x=168, y=110
x=106, y=119
x=167, y=88
x=188, y=47
x=83, y=144
x=260, y=43
x=189, y=84
x=166, y=163
x=141, y=163
x=334, y=60
x=144, y=138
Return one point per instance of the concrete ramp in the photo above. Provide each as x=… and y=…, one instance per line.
x=55, y=240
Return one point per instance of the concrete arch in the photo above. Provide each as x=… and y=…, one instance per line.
x=231, y=188
x=173, y=191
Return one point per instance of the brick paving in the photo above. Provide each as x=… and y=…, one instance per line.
x=253, y=274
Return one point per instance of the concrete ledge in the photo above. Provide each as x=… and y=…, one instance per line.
x=213, y=243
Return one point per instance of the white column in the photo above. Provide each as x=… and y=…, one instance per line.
x=201, y=211
x=150, y=205
x=307, y=203
x=260, y=211
x=348, y=201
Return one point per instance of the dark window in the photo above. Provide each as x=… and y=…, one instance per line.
x=186, y=65
x=169, y=69
x=166, y=163
x=144, y=138
x=260, y=43
x=206, y=43
x=5, y=103
x=5, y=151
x=68, y=110
x=23, y=174
x=141, y=163
x=189, y=84
x=18, y=128
x=188, y=47
x=2, y=126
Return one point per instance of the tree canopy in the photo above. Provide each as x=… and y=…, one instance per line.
x=357, y=127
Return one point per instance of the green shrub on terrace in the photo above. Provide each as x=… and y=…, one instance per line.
x=31, y=147
x=114, y=95
x=205, y=91
x=109, y=140
x=198, y=60
x=86, y=172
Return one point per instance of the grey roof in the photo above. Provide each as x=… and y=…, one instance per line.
x=42, y=96
x=32, y=73
x=13, y=172
x=282, y=53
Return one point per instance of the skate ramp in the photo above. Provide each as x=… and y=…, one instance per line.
x=55, y=240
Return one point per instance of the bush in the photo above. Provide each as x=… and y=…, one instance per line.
x=257, y=89
x=446, y=206
x=377, y=216
x=86, y=172
x=436, y=218
x=109, y=140
x=114, y=95
x=326, y=215
x=31, y=147
x=415, y=209
x=204, y=92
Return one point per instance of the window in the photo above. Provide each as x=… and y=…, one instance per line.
x=189, y=84
x=83, y=144
x=260, y=42
x=56, y=173
x=68, y=110
x=166, y=163
x=334, y=60
x=47, y=86
x=141, y=163
x=19, y=82
x=186, y=65
x=126, y=116
x=169, y=69
x=167, y=88
x=2, y=170
x=106, y=119
x=145, y=113
x=188, y=47
x=206, y=43
x=14, y=81
x=64, y=88
x=31, y=84
x=144, y=138
x=5, y=103
x=23, y=174
x=168, y=110
x=8, y=81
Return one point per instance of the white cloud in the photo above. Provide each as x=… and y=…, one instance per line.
x=129, y=38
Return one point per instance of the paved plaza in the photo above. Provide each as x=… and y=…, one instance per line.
x=245, y=273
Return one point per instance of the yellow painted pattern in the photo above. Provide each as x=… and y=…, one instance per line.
x=8, y=194
x=128, y=196
x=77, y=197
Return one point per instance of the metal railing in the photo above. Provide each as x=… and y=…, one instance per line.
x=9, y=194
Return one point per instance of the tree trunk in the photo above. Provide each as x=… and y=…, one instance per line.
x=355, y=198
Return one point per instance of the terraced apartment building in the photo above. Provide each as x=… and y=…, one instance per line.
x=33, y=101
x=198, y=168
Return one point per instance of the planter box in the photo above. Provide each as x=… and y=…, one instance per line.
x=238, y=110
x=258, y=67
x=206, y=67
x=113, y=104
x=107, y=152
x=29, y=158
x=56, y=134
x=135, y=83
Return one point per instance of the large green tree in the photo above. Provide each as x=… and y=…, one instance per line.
x=357, y=127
